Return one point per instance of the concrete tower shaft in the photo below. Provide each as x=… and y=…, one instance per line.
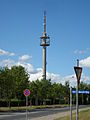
x=44, y=41
x=44, y=62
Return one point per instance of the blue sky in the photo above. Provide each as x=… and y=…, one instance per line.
x=68, y=25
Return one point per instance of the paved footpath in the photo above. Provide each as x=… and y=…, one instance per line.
x=58, y=115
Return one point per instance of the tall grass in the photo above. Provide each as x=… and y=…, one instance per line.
x=83, y=115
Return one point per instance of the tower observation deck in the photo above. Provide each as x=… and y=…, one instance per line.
x=44, y=41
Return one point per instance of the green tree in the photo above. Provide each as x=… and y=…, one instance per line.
x=83, y=98
x=21, y=79
x=13, y=82
x=66, y=92
x=35, y=89
x=40, y=90
x=45, y=90
x=7, y=84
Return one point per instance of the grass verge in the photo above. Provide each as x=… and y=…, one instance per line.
x=83, y=115
x=6, y=109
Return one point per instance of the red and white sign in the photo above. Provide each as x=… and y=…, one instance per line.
x=26, y=92
x=78, y=71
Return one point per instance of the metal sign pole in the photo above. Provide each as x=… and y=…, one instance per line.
x=78, y=71
x=26, y=107
x=26, y=93
x=77, y=94
x=70, y=103
x=77, y=102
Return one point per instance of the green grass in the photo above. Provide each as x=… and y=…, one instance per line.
x=83, y=115
x=5, y=109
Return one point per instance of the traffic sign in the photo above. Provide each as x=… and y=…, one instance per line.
x=81, y=91
x=26, y=92
x=78, y=71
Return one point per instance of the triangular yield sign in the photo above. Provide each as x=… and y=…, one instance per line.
x=78, y=71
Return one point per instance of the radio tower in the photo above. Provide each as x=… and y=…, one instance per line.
x=44, y=41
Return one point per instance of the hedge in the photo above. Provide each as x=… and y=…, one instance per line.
x=13, y=103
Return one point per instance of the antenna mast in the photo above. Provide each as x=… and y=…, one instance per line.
x=44, y=41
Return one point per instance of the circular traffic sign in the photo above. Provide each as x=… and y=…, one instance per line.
x=26, y=92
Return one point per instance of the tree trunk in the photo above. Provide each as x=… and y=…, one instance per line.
x=36, y=101
x=9, y=103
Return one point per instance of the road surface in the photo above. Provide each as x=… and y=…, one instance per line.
x=35, y=114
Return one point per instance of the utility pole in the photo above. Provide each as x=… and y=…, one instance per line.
x=44, y=41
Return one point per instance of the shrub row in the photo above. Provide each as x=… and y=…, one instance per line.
x=13, y=103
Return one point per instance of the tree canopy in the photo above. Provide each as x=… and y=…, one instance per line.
x=14, y=81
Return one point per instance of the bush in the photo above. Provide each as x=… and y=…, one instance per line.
x=3, y=103
x=13, y=103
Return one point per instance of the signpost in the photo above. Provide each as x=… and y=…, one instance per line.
x=70, y=103
x=26, y=93
x=78, y=71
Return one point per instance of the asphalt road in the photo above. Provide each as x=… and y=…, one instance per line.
x=33, y=114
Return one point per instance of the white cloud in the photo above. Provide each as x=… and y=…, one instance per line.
x=24, y=58
x=37, y=73
x=85, y=62
x=29, y=67
x=59, y=79
x=71, y=79
x=11, y=54
x=55, y=77
x=3, y=52
x=7, y=62
x=81, y=51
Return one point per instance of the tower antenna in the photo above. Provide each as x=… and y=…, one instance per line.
x=44, y=41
